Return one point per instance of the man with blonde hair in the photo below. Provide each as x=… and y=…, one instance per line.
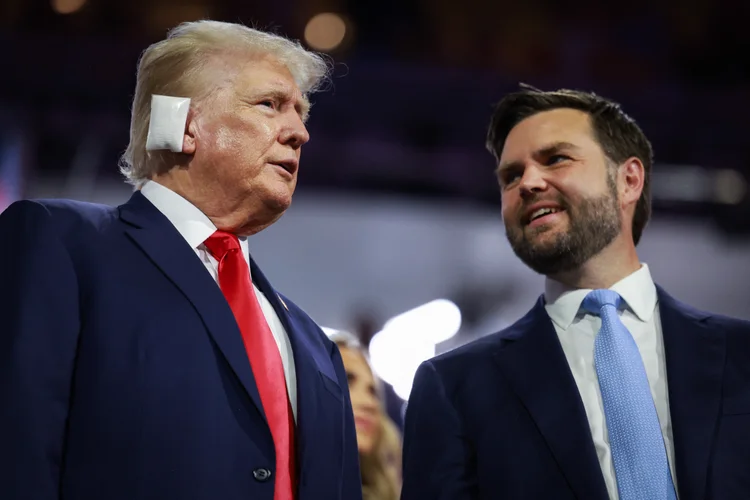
x=143, y=354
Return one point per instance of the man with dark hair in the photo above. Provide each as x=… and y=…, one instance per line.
x=608, y=387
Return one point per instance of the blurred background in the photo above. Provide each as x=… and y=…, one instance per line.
x=396, y=231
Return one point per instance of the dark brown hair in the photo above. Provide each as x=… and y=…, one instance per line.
x=618, y=135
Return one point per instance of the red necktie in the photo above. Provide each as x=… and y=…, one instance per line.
x=265, y=359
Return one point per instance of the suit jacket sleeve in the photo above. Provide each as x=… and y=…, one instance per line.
x=437, y=456
x=39, y=325
x=351, y=487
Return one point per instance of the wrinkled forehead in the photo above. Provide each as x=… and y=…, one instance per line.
x=251, y=76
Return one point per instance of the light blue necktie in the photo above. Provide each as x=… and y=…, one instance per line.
x=635, y=437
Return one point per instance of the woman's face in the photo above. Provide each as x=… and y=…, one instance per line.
x=365, y=401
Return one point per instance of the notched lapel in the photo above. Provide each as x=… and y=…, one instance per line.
x=319, y=396
x=152, y=232
x=695, y=357
x=305, y=344
x=533, y=362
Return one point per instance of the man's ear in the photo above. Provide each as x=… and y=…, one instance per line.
x=189, y=139
x=630, y=176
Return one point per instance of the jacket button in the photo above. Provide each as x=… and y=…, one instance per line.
x=262, y=475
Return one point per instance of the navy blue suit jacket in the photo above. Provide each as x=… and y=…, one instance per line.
x=123, y=375
x=502, y=418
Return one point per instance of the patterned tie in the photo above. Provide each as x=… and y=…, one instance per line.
x=635, y=437
x=263, y=352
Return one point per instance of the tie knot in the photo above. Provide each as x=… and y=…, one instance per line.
x=597, y=299
x=220, y=243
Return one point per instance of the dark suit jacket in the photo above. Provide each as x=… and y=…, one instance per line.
x=502, y=418
x=123, y=374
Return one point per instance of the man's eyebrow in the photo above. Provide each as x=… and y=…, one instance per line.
x=548, y=150
x=555, y=148
x=302, y=106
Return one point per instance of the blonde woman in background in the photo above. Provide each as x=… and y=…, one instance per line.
x=378, y=438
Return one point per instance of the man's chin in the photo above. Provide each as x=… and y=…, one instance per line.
x=544, y=257
x=545, y=264
x=544, y=232
x=542, y=239
x=279, y=205
x=278, y=198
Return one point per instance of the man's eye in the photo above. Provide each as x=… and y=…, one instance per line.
x=557, y=159
x=509, y=177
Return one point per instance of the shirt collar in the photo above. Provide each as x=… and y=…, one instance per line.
x=188, y=219
x=637, y=290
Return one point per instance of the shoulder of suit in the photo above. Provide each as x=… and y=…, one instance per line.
x=732, y=325
x=699, y=315
x=471, y=353
x=712, y=321
x=68, y=220
x=487, y=346
x=67, y=214
x=81, y=228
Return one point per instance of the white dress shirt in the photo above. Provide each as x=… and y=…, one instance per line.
x=196, y=227
x=577, y=330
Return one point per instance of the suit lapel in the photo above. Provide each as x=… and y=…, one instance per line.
x=534, y=363
x=314, y=369
x=695, y=363
x=162, y=243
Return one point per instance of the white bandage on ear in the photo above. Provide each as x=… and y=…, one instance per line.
x=166, y=127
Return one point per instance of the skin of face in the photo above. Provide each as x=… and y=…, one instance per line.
x=365, y=401
x=551, y=161
x=245, y=139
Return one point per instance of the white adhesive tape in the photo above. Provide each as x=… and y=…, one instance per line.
x=166, y=127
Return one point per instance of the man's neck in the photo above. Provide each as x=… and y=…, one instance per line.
x=233, y=215
x=612, y=264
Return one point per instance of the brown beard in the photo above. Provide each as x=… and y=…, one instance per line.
x=594, y=223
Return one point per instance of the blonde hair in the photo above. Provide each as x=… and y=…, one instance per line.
x=174, y=67
x=381, y=468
